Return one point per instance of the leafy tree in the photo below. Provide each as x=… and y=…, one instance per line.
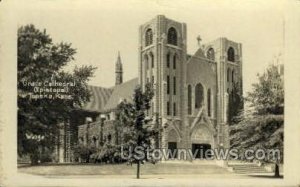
x=108, y=153
x=40, y=60
x=261, y=126
x=138, y=132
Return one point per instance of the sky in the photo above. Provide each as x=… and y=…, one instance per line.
x=99, y=29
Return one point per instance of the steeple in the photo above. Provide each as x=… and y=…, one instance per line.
x=119, y=70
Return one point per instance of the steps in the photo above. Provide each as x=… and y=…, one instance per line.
x=247, y=168
x=196, y=161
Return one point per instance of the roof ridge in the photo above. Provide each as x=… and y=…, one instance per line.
x=121, y=91
x=124, y=83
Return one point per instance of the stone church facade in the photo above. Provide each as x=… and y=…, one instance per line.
x=191, y=92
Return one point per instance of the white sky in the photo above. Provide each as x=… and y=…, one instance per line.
x=99, y=29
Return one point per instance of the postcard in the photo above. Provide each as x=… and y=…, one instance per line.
x=149, y=93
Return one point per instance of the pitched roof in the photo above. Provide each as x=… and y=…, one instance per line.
x=98, y=99
x=121, y=91
x=200, y=53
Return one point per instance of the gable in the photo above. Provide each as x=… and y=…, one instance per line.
x=201, y=70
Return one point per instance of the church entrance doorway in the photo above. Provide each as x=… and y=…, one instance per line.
x=199, y=151
x=172, y=148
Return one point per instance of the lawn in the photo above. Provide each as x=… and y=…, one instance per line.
x=124, y=169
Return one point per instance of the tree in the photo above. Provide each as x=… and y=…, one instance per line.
x=108, y=153
x=261, y=126
x=40, y=61
x=138, y=132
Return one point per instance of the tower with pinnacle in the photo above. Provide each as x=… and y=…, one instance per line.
x=119, y=71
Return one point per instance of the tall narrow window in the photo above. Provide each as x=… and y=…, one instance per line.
x=152, y=60
x=232, y=76
x=146, y=61
x=172, y=36
x=174, y=85
x=168, y=60
x=189, y=99
x=199, y=96
x=152, y=79
x=228, y=74
x=208, y=102
x=174, y=109
x=148, y=37
x=174, y=61
x=168, y=84
x=230, y=54
x=168, y=108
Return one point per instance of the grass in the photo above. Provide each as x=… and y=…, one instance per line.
x=124, y=169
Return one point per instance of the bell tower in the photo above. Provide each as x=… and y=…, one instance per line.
x=119, y=70
x=162, y=57
x=229, y=76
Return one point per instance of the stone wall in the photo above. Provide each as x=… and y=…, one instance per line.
x=97, y=133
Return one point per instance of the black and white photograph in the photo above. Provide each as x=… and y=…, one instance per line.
x=148, y=93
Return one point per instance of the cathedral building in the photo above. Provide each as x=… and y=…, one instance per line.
x=191, y=92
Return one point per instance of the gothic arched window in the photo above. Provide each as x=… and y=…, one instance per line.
x=228, y=74
x=189, y=99
x=174, y=109
x=148, y=37
x=208, y=102
x=152, y=60
x=211, y=54
x=174, y=85
x=232, y=76
x=174, y=61
x=172, y=36
x=146, y=61
x=168, y=84
x=168, y=60
x=199, y=95
x=230, y=54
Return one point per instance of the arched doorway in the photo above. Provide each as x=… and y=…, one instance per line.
x=172, y=144
x=202, y=141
